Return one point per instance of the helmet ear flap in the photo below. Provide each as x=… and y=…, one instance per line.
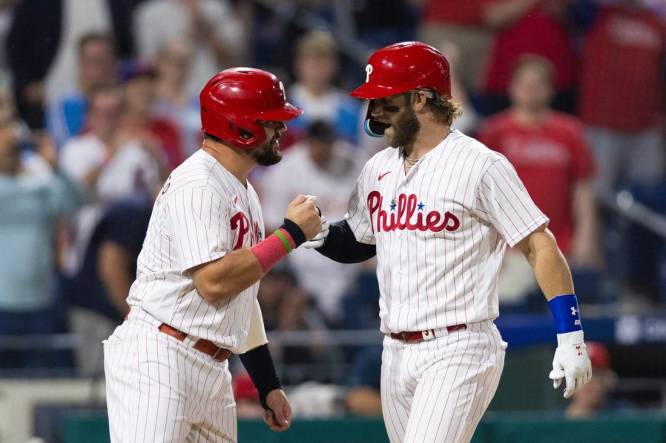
x=371, y=126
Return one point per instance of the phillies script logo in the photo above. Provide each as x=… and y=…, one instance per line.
x=239, y=221
x=408, y=214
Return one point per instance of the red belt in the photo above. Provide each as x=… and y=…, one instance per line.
x=419, y=336
x=205, y=346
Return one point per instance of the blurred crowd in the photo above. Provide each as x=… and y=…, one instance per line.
x=99, y=102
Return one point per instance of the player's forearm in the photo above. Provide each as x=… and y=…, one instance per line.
x=550, y=267
x=240, y=269
x=228, y=276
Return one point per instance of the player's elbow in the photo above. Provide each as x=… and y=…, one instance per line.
x=214, y=292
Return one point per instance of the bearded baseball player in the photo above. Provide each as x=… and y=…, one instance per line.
x=438, y=209
x=194, y=301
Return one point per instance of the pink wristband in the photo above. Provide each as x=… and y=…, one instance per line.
x=273, y=249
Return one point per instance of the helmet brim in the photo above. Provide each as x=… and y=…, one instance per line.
x=369, y=91
x=283, y=114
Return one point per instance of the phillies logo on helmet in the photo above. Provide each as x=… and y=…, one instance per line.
x=368, y=71
x=402, y=216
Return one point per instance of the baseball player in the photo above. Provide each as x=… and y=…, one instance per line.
x=438, y=209
x=194, y=300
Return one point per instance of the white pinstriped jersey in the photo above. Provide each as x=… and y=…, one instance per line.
x=441, y=231
x=202, y=213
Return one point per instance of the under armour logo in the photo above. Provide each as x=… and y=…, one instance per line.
x=578, y=350
x=573, y=311
x=368, y=71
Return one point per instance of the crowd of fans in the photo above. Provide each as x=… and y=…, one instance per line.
x=99, y=102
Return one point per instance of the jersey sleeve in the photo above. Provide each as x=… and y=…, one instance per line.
x=200, y=226
x=503, y=201
x=358, y=216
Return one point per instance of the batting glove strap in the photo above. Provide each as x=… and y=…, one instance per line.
x=259, y=365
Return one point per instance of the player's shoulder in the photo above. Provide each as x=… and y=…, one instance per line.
x=472, y=147
x=195, y=172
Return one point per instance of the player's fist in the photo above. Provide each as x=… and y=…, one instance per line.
x=571, y=363
x=278, y=416
x=319, y=239
x=304, y=212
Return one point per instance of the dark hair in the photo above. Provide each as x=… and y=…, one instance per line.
x=321, y=130
x=206, y=135
x=95, y=36
x=445, y=109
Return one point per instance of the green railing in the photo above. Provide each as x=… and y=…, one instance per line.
x=495, y=428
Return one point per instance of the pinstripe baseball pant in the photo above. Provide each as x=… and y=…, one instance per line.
x=162, y=390
x=437, y=390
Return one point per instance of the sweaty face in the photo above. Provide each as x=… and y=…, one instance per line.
x=268, y=153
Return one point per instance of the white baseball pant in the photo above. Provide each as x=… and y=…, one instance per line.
x=437, y=390
x=162, y=390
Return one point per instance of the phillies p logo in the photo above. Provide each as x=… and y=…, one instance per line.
x=368, y=71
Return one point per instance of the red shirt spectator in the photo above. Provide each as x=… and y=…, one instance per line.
x=549, y=158
x=453, y=11
x=622, y=70
x=542, y=31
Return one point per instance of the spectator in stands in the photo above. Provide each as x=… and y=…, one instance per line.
x=42, y=45
x=173, y=102
x=528, y=27
x=549, y=152
x=6, y=16
x=97, y=67
x=31, y=207
x=102, y=284
x=621, y=93
x=316, y=68
x=140, y=124
x=329, y=167
x=107, y=167
x=459, y=23
x=593, y=397
x=211, y=27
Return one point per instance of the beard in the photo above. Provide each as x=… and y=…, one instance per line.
x=404, y=131
x=268, y=153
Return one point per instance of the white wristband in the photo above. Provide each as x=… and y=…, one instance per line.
x=570, y=338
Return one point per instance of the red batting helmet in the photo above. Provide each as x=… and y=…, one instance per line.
x=234, y=99
x=399, y=68
x=402, y=67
